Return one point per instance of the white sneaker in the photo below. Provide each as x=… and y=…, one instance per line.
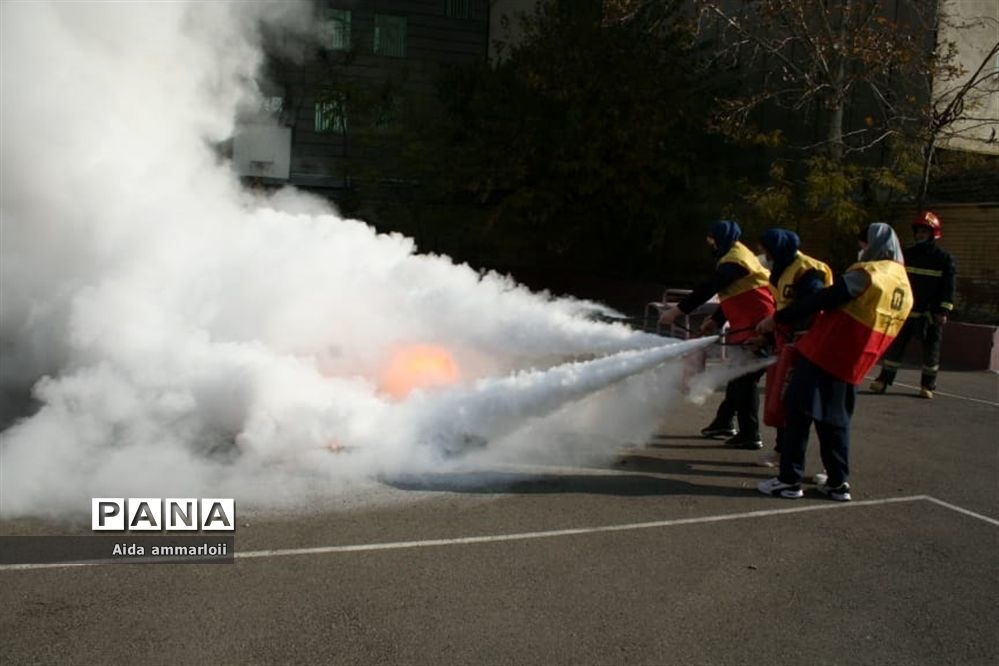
x=840, y=493
x=777, y=488
x=820, y=478
x=769, y=459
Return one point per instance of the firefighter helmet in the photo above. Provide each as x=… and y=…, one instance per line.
x=929, y=220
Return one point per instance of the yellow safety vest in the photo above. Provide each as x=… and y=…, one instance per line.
x=784, y=291
x=848, y=341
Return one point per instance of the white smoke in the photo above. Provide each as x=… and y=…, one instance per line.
x=182, y=337
x=740, y=362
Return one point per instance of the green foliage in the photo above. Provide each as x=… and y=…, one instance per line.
x=830, y=186
x=834, y=97
x=773, y=202
x=584, y=142
x=602, y=139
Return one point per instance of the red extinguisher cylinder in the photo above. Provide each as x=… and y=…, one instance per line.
x=778, y=376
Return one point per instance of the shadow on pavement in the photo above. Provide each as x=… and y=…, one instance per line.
x=629, y=474
x=708, y=444
x=651, y=465
x=532, y=484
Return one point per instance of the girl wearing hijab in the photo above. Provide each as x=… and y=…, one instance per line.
x=741, y=282
x=793, y=275
x=858, y=317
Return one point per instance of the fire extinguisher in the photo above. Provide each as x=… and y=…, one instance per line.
x=693, y=365
x=778, y=376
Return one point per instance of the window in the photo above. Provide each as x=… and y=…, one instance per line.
x=390, y=35
x=331, y=115
x=272, y=104
x=388, y=112
x=335, y=28
x=457, y=8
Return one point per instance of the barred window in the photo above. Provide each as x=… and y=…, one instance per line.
x=272, y=104
x=388, y=112
x=335, y=28
x=457, y=8
x=390, y=35
x=331, y=115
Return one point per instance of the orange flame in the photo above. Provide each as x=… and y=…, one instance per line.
x=418, y=366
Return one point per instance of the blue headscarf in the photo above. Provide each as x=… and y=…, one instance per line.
x=783, y=246
x=725, y=233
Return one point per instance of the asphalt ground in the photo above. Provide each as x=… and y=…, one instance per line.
x=667, y=554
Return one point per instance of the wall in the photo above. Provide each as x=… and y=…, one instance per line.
x=971, y=25
x=971, y=235
x=504, y=24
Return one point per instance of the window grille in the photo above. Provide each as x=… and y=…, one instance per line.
x=336, y=28
x=390, y=35
x=331, y=116
x=458, y=8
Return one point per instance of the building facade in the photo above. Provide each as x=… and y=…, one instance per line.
x=324, y=112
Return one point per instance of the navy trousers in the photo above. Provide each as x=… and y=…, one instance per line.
x=815, y=397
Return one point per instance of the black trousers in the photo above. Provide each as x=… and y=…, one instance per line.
x=742, y=395
x=930, y=334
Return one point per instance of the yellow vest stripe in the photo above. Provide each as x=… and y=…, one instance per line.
x=758, y=275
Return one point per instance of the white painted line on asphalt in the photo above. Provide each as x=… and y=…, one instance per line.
x=949, y=395
x=952, y=395
x=954, y=507
x=547, y=534
x=52, y=565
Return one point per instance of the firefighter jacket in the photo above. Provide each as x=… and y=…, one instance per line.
x=847, y=341
x=748, y=300
x=932, y=274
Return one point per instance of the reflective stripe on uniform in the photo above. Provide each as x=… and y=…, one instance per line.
x=946, y=306
x=893, y=364
x=923, y=271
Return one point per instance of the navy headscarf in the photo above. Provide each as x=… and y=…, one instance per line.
x=783, y=246
x=725, y=233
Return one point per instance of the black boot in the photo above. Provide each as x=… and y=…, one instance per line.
x=719, y=428
x=740, y=441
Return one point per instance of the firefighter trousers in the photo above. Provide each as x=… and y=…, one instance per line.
x=929, y=333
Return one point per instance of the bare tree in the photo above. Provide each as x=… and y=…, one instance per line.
x=961, y=101
x=819, y=55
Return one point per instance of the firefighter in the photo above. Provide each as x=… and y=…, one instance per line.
x=743, y=289
x=858, y=317
x=932, y=273
x=793, y=275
